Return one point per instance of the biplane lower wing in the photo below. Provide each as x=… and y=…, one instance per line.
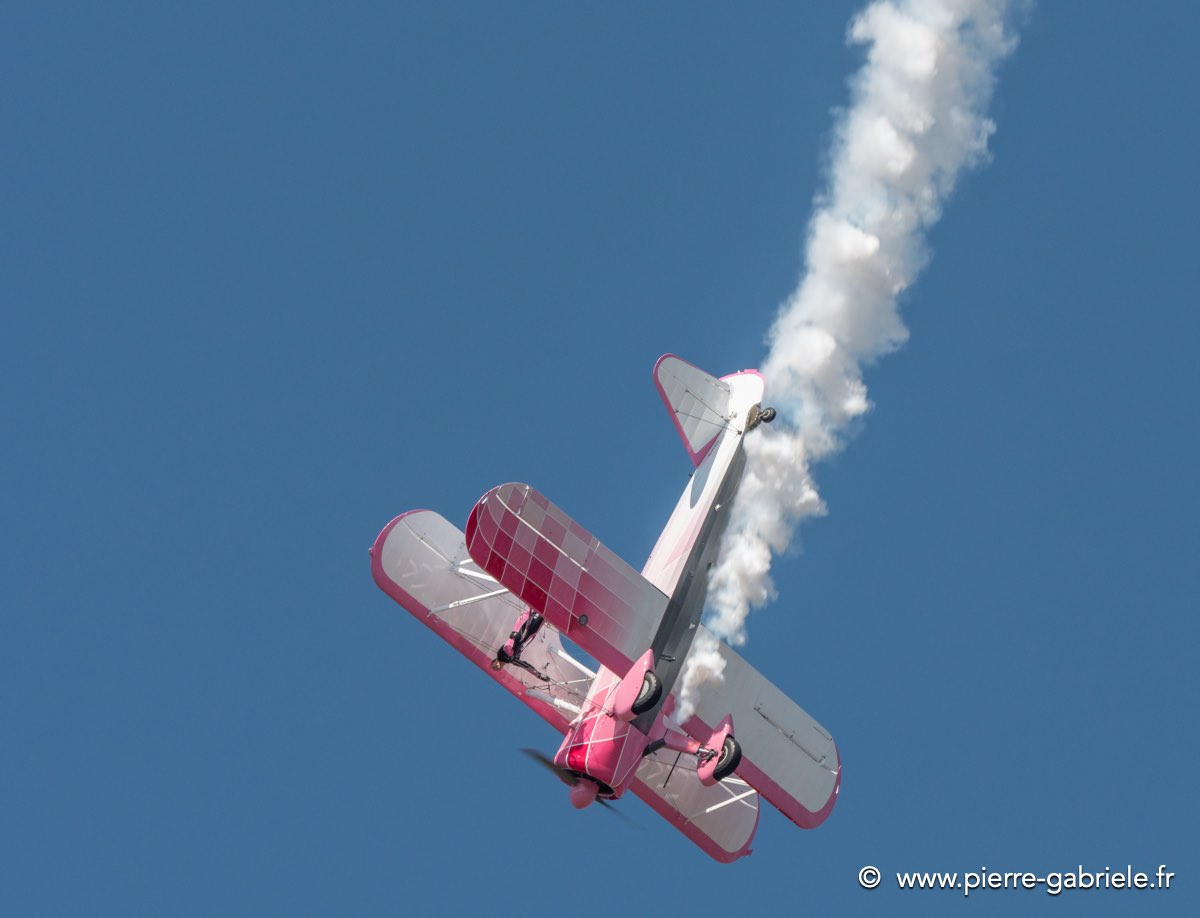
x=556, y=566
x=421, y=561
x=788, y=757
x=720, y=819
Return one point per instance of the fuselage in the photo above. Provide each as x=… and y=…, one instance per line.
x=599, y=746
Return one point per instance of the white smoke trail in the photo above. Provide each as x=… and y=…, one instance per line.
x=915, y=122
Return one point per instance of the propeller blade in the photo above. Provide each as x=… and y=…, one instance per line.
x=619, y=813
x=548, y=763
x=569, y=779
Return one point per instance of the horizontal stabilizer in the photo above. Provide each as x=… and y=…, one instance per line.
x=699, y=403
x=555, y=565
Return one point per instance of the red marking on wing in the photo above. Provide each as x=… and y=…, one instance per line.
x=551, y=562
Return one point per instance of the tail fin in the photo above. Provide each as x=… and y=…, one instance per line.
x=699, y=403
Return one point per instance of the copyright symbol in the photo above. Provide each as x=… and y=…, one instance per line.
x=869, y=877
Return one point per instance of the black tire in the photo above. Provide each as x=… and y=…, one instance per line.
x=649, y=695
x=768, y=415
x=731, y=758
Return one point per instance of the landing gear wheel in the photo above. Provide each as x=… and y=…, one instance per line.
x=767, y=416
x=731, y=758
x=649, y=695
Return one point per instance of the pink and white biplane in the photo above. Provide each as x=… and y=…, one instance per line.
x=525, y=575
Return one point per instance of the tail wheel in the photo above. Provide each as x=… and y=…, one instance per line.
x=649, y=695
x=731, y=758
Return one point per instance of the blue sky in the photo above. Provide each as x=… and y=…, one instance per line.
x=275, y=273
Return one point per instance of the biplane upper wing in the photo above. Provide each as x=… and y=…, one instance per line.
x=788, y=757
x=721, y=819
x=556, y=566
x=421, y=561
